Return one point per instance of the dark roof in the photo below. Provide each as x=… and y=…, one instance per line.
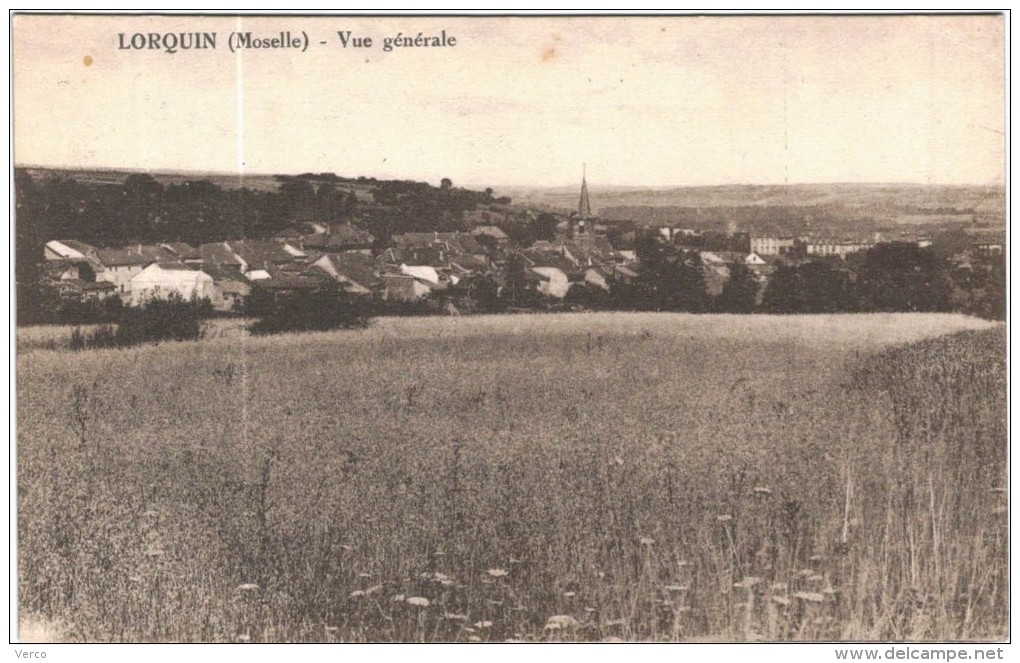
x=122, y=257
x=218, y=253
x=340, y=236
x=183, y=251
x=257, y=252
x=281, y=281
x=355, y=267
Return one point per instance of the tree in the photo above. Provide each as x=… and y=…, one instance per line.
x=740, y=293
x=782, y=295
x=900, y=276
x=446, y=183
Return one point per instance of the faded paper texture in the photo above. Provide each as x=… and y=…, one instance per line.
x=511, y=329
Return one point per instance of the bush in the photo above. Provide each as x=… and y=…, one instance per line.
x=314, y=310
x=159, y=319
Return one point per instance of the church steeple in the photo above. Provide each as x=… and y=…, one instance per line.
x=584, y=206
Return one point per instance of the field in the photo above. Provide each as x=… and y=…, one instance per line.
x=534, y=477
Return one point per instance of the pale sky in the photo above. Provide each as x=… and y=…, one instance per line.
x=657, y=101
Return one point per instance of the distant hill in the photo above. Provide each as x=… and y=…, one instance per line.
x=886, y=199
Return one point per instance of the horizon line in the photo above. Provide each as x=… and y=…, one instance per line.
x=472, y=184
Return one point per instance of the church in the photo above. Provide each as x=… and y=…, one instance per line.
x=582, y=222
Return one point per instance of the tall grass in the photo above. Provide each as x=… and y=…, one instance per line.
x=632, y=477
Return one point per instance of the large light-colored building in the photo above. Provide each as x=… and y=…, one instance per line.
x=772, y=246
x=160, y=280
x=839, y=248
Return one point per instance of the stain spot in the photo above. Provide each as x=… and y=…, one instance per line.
x=549, y=54
x=87, y=60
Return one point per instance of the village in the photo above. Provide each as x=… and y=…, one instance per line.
x=446, y=271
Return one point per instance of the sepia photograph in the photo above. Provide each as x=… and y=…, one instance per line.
x=406, y=328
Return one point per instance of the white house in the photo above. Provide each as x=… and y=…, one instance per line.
x=554, y=281
x=158, y=280
x=753, y=259
x=422, y=273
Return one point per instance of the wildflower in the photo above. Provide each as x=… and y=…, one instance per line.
x=494, y=602
x=747, y=583
x=483, y=624
x=455, y=616
x=611, y=638
x=676, y=588
x=243, y=637
x=357, y=593
x=135, y=578
x=781, y=600
x=617, y=460
x=815, y=558
x=616, y=622
x=724, y=518
x=806, y=573
x=419, y=601
x=373, y=590
x=439, y=553
x=646, y=541
x=345, y=547
x=498, y=573
x=332, y=629
x=762, y=490
x=589, y=609
x=813, y=597
x=247, y=587
x=683, y=562
x=364, y=575
x=815, y=578
x=514, y=561
x=154, y=552
x=400, y=598
x=468, y=629
x=778, y=587
x=557, y=622
x=474, y=638
x=570, y=595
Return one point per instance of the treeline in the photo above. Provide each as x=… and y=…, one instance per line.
x=892, y=277
x=144, y=210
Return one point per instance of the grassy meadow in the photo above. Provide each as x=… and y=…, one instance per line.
x=535, y=477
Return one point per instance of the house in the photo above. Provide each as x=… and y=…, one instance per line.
x=230, y=294
x=423, y=273
x=836, y=247
x=122, y=265
x=68, y=249
x=159, y=280
x=339, y=238
x=554, y=282
x=626, y=273
x=67, y=269
x=772, y=246
x=356, y=272
x=495, y=232
x=404, y=288
x=183, y=252
x=219, y=255
x=753, y=259
x=597, y=277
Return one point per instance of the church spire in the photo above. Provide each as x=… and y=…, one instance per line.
x=584, y=206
